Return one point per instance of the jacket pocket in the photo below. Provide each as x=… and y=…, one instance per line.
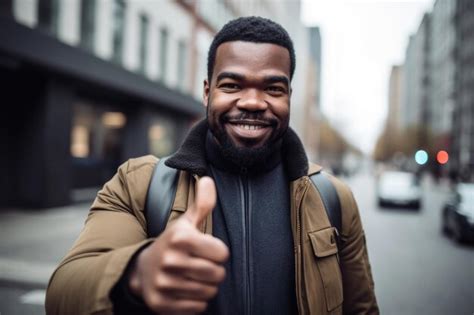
x=324, y=247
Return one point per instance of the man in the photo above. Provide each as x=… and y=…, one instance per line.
x=257, y=242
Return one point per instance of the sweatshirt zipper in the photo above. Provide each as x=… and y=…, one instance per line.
x=246, y=213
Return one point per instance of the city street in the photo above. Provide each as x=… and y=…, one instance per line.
x=417, y=270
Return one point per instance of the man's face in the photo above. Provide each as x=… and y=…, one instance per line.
x=248, y=99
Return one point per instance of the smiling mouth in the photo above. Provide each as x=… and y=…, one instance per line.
x=246, y=130
x=250, y=124
x=249, y=127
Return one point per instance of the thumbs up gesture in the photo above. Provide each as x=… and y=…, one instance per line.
x=181, y=270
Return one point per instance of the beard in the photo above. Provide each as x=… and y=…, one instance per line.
x=241, y=155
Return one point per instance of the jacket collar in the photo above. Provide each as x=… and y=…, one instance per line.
x=191, y=156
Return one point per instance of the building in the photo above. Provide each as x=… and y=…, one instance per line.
x=91, y=83
x=312, y=109
x=415, y=107
x=395, y=94
x=463, y=123
x=439, y=84
x=410, y=113
x=443, y=69
x=414, y=111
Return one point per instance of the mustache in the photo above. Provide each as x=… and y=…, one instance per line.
x=250, y=116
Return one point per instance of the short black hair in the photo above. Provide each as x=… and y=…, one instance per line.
x=251, y=29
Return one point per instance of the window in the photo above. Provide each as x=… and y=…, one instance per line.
x=48, y=15
x=163, y=53
x=88, y=23
x=118, y=30
x=143, y=43
x=161, y=136
x=80, y=143
x=96, y=132
x=182, y=58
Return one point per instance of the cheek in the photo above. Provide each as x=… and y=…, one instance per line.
x=220, y=103
x=282, y=110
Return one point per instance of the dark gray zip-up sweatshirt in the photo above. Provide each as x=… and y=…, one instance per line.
x=252, y=217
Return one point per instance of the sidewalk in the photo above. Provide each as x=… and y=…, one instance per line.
x=34, y=241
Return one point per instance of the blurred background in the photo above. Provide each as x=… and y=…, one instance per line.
x=383, y=95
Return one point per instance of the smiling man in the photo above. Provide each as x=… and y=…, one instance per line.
x=248, y=232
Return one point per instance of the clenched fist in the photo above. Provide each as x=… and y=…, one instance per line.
x=181, y=270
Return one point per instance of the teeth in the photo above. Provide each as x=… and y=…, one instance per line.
x=250, y=127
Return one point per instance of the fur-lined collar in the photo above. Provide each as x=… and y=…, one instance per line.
x=191, y=156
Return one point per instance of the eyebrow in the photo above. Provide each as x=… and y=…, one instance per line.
x=277, y=79
x=267, y=79
x=230, y=75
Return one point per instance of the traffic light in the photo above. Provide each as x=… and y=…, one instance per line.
x=421, y=157
x=442, y=157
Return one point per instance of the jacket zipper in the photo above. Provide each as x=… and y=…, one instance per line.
x=302, y=309
x=245, y=194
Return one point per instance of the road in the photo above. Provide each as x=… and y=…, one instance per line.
x=33, y=243
x=416, y=269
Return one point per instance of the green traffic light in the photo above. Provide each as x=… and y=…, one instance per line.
x=421, y=157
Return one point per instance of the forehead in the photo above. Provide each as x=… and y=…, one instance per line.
x=249, y=58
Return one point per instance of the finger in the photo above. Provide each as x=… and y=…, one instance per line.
x=200, y=245
x=197, y=269
x=163, y=304
x=179, y=287
x=209, y=247
x=214, y=275
x=204, y=203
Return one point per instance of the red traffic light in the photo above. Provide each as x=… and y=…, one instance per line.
x=442, y=157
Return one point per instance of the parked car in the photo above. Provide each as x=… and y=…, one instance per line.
x=458, y=213
x=395, y=188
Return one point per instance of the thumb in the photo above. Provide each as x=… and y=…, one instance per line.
x=204, y=202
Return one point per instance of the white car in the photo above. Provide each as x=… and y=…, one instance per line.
x=399, y=189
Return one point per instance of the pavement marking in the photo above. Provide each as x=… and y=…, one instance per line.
x=35, y=297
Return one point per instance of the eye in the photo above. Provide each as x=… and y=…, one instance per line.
x=229, y=87
x=276, y=90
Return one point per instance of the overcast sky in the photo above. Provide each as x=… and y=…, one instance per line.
x=361, y=40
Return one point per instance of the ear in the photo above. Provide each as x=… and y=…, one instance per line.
x=206, y=91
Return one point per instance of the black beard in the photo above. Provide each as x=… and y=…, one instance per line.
x=243, y=156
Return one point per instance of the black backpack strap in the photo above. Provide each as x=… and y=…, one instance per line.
x=160, y=197
x=330, y=200
x=164, y=183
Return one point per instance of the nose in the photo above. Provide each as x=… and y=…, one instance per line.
x=252, y=100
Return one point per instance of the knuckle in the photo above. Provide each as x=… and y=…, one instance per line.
x=180, y=238
x=200, y=307
x=225, y=253
x=212, y=291
x=219, y=274
x=168, y=260
x=221, y=251
x=162, y=283
x=153, y=301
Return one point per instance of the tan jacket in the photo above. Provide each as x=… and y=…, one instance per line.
x=116, y=228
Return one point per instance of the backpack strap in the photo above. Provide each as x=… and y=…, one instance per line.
x=160, y=197
x=330, y=200
x=164, y=183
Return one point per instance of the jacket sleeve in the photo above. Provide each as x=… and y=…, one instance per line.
x=359, y=295
x=114, y=231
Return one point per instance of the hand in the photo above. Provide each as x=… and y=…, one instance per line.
x=181, y=270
